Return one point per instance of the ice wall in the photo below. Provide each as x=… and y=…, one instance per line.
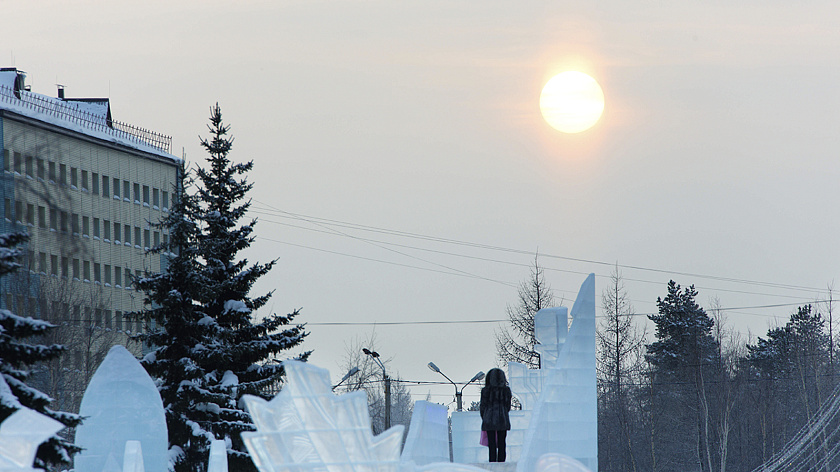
x=21, y=433
x=466, y=432
x=121, y=404
x=564, y=419
x=427, y=436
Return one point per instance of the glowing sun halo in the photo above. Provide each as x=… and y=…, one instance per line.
x=572, y=102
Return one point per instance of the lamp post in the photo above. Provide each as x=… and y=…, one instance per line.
x=478, y=376
x=375, y=356
x=349, y=374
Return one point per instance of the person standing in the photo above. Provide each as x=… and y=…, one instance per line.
x=495, y=409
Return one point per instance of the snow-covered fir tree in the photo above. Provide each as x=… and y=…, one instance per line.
x=19, y=353
x=210, y=347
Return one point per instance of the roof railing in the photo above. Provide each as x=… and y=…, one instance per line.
x=65, y=111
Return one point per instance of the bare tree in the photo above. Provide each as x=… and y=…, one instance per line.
x=516, y=344
x=369, y=379
x=620, y=363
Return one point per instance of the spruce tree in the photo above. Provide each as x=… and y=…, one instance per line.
x=209, y=348
x=246, y=346
x=19, y=352
x=179, y=334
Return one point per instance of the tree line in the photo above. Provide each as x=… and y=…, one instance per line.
x=693, y=395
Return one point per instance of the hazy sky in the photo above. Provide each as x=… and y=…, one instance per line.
x=716, y=158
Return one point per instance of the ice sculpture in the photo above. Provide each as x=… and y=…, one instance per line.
x=427, y=435
x=121, y=404
x=21, y=434
x=564, y=419
x=133, y=459
x=559, y=463
x=218, y=457
x=306, y=427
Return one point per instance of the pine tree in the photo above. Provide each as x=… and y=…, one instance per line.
x=19, y=352
x=181, y=335
x=681, y=360
x=208, y=351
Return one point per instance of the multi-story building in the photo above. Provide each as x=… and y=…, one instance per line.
x=87, y=189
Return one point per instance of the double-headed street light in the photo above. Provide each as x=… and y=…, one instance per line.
x=458, y=392
x=375, y=356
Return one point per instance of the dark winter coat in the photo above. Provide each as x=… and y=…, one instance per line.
x=495, y=405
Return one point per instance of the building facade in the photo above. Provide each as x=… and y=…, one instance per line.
x=88, y=190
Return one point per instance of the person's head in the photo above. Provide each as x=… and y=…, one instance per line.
x=495, y=378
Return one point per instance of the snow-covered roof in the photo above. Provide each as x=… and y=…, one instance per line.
x=88, y=116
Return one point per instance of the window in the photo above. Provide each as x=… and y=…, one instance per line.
x=65, y=267
x=137, y=276
x=137, y=237
x=86, y=226
x=94, y=181
x=42, y=217
x=127, y=278
x=97, y=317
x=127, y=235
x=118, y=319
x=18, y=163
x=76, y=273
x=105, y=187
x=30, y=214
x=74, y=223
x=86, y=270
x=107, y=314
x=6, y=164
x=106, y=230
x=156, y=198
x=157, y=238
x=107, y=274
x=96, y=228
x=126, y=190
x=145, y=195
x=39, y=167
x=53, y=264
x=85, y=181
x=97, y=273
x=52, y=171
x=62, y=174
x=30, y=167
x=9, y=210
x=117, y=276
x=116, y=188
x=31, y=260
x=74, y=178
x=146, y=238
x=42, y=262
x=166, y=241
x=53, y=219
x=117, y=228
x=19, y=211
x=64, y=218
x=137, y=193
x=165, y=196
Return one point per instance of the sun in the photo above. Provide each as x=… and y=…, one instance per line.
x=572, y=102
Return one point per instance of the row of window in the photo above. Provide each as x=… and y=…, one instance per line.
x=83, y=226
x=88, y=181
x=81, y=270
x=58, y=312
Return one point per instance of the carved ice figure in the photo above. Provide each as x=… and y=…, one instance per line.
x=133, y=459
x=564, y=418
x=21, y=434
x=121, y=404
x=559, y=463
x=218, y=461
x=427, y=435
x=306, y=428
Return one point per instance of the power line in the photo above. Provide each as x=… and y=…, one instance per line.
x=325, y=221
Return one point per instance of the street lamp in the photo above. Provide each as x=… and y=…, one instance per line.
x=349, y=374
x=478, y=376
x=375, y=356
